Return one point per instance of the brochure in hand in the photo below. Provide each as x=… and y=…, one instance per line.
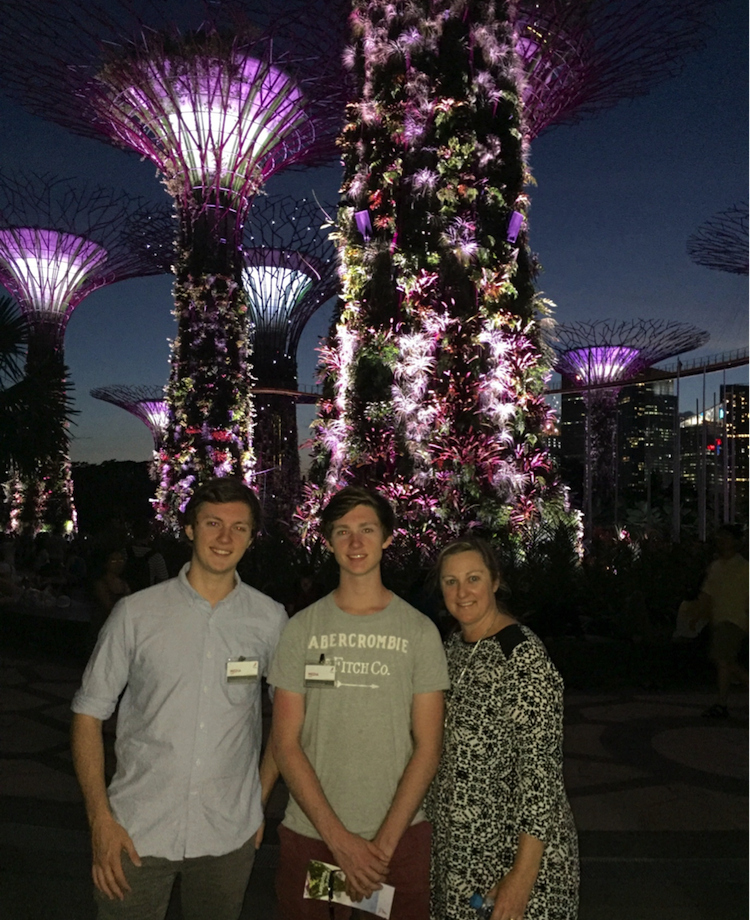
x=325, y=882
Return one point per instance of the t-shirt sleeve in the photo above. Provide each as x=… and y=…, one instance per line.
x=431, y=667
x=279, y=621
x=287, y=670
x=107, y=671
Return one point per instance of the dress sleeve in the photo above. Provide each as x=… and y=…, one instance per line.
x=535, y=707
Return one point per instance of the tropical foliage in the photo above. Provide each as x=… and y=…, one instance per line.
x=35, y=411
x=434, y=372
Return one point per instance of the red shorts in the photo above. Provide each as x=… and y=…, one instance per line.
x=409, y=874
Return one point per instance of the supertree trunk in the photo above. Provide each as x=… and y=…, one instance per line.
x=601, y=420
x=434, y=375
x=277, y=452
x=209, y=431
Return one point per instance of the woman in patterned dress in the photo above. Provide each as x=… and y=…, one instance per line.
x=502, y=824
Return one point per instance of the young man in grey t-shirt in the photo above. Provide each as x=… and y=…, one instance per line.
x=358, y=715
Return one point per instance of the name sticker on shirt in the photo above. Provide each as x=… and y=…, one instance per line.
x=242, y=670
x=320, y=675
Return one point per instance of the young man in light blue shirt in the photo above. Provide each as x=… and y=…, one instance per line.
x=186, y=657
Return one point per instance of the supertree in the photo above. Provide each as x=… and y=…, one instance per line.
x=722, y=241
x=290, y=271
x=144, y=402
x=434, y=371
x=598, y=359
x=218, y=103
x=59, y=242
x=434, y=376
x=582, y=56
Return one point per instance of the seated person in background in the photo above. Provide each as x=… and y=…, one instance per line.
x=723, y=600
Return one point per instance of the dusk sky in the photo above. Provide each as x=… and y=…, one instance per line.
x=615, y=201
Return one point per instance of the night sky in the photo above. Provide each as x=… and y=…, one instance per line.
x=616, y=198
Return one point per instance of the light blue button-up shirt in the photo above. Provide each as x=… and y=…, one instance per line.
x=188, y=740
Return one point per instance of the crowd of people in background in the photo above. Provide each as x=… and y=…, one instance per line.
x=47, y=570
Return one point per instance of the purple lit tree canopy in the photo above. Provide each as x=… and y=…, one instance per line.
x=218, y=103
x=216, y=100
x=582, y=56
x=144, y=402
x=721, y=242
x=290, y=271
x=599, y=358
x=603, y=364
x=59, y=242
x=607, y=351
x=434, y=374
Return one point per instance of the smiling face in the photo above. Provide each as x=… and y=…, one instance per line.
x=220, y=537
x=357, y=541
x=469, y=592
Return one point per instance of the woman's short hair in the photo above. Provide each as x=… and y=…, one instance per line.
x=349, y=498
x=471, y=544
x=221, y=491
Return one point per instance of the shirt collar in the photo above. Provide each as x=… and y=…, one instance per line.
x=183, y=579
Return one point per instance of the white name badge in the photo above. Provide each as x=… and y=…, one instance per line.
x=242, y=670
x=320, y=675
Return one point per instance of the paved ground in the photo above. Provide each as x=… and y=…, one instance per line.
x=659, y=795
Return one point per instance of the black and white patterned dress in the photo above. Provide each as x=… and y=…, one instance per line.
x=501, y=775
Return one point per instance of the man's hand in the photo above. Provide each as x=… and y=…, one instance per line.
x=108, y=840
x=363, y=863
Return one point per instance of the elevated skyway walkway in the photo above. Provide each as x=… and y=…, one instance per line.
x=708, y=364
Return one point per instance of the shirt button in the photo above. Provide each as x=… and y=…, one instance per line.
x=209, y=654
x=202, y=725
x=198, y=762
x=205, y=689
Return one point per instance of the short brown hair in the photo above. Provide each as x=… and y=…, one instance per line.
x=220, y=491
x=347, y=499
x=469, y=544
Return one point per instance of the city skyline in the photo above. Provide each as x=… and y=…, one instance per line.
x=614, y=203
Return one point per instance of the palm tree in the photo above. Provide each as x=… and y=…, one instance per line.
x=35, y=406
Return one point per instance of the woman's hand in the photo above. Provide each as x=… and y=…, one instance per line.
x=512, y=892
x=511, y=896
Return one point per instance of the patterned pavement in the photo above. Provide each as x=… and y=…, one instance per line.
x=659, y=795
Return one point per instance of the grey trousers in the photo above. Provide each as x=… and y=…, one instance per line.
x=212, y=887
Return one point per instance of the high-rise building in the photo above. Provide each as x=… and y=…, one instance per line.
x=714, y=455
x=646, y=437
x=643, y=430
x=734, y=398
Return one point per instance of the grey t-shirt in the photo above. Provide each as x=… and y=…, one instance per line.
x=357, y=734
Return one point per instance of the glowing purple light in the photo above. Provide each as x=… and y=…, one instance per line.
x=144, y=402
x=155, y=413
x=276, y=282
x=364, y=224
x=220, y=117
x=48, y=268
x=514, y=226
x=601, y=364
